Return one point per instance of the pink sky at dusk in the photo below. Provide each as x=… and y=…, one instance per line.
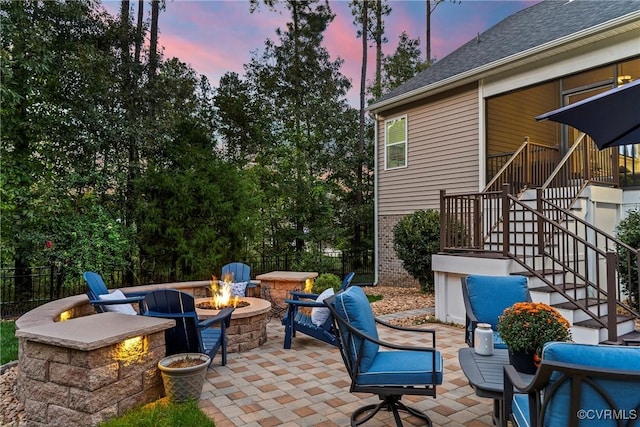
x=218, y=36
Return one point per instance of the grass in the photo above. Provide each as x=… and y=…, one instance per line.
x=8, y=342
x=163, y=414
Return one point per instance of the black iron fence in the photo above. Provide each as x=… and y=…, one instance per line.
x=28, y=289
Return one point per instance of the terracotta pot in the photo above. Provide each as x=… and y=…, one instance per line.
x=524, y=362
x=183, y=384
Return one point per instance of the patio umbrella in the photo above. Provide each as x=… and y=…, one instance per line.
x=611, y=118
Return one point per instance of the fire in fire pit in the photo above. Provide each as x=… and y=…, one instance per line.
x=221, y=296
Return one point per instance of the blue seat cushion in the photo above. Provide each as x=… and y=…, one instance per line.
x=497, y=340
x=402, y=368
x=353, y=306
x=490, y=295
x=520, y=410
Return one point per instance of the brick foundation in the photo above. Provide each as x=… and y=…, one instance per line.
x=390, y=269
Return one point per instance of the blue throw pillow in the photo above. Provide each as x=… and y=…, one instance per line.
x=353, y=306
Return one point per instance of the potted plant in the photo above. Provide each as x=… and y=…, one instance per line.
x=525, y=327
x=183, y=375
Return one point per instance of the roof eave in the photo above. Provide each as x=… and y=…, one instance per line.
x=534, y=54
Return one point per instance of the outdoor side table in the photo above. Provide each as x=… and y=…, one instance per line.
x=485, y=375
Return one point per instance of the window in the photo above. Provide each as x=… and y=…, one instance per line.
x=395, y=143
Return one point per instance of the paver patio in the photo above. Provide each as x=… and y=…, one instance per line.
x=309, y=386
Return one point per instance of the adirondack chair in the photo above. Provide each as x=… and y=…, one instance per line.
x=241, y=273
x=317, y=325
x=116, y=301
x=190, y=335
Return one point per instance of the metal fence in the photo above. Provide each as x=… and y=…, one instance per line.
x=23, y=292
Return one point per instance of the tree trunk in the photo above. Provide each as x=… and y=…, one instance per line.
x=153, y=46
x=139, y=31
x=357, y=232
x=428, y=41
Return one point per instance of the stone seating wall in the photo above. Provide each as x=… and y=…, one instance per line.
x=80, y=368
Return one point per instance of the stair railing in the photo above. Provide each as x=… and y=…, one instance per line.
x=596, y=262
x=582, y=165
x=528, y=167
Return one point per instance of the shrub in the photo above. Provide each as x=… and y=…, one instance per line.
x=326, y=281
x=629, y=232
x=416, y=237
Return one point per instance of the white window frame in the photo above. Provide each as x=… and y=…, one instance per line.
x=388, y=123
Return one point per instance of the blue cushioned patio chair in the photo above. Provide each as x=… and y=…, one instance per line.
x=97, y=290
x=486, y=297
x=577, y=385
x=241, y=274
x=317, y=325
x=190, y=335
x=386, y=369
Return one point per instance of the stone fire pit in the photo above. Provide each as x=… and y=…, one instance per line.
x=248, y=328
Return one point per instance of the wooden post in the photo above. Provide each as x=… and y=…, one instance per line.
x=612, y=318
x=506, y=190
x=443, y=221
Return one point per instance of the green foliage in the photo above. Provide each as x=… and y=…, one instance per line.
x=416, y=237
x=403, y=64
x=8, y=342
x=628, y=231
x=374, y=298
x=527, y=326
x=161, y=414
x=326, y=281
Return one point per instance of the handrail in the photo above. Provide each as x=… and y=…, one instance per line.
x=519, y=172
x=582, y=252
x=583, y=164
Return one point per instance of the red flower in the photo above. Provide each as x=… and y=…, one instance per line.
x=49, y=244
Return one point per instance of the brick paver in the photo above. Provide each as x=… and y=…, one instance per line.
x=309, y=386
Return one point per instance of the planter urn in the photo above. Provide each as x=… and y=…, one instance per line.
x=183, y=383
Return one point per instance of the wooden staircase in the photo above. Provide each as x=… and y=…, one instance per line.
x=572, y=265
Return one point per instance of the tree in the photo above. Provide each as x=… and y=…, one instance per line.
x=431, y=8
x=416, y=237
x=403, y=64
x=56, y=116
x=628, y=231
x=306, y=96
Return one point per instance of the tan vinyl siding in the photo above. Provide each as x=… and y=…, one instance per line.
x=442, y=153
x=511, y=117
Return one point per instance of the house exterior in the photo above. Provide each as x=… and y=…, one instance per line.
x=453, y=126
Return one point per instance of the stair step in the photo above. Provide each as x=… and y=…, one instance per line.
x=544, y=272
x=588, y=302
x=631, y=338
x=574, y=314
x=549, y=289
x=593, y=324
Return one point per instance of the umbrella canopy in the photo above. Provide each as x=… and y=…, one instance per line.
x=611, y=118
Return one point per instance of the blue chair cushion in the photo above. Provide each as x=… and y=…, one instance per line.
x=353, y=306
x=520, y=409
x=497, y=340
x=402, y=368
x=625, y=394
x=490, y=295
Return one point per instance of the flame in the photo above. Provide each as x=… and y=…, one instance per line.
x=221, y=295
